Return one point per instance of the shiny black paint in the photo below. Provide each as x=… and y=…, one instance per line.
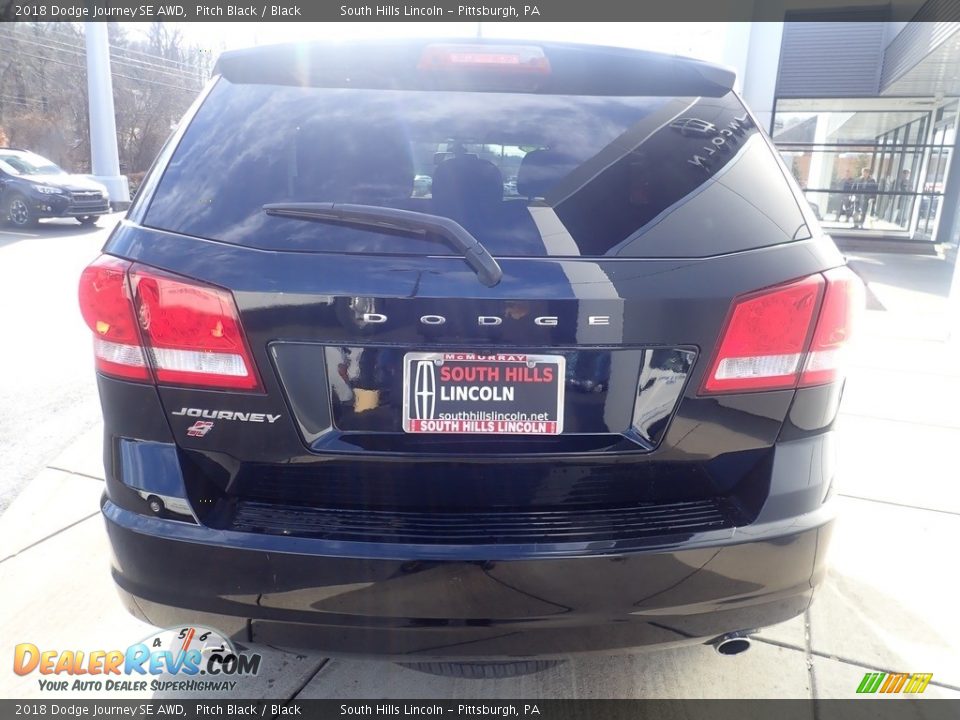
x=655, y=302
x=590, y=406
x=495, y=605
x=132, y=410
x=331, y=528
x=813, y=411
x=731, y=447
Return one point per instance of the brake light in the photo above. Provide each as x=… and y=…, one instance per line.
x=765, y=337
x=842, y=303
x=106, y=308
x=191, y=332
x=521, y=59
x=767, y=343
x=188, y=333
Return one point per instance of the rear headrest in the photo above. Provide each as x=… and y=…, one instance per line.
x=463, y=184
x=372, y=165
x=540, y=170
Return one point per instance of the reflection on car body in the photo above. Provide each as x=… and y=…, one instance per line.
x=662, y=484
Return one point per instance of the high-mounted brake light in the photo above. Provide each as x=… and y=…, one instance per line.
x=187, y=332
x=770, y=341
x=192, y=332
x=106, y=308
x=519, y=59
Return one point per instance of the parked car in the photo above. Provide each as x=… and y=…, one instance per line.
x=472, y=433
x=32, y=187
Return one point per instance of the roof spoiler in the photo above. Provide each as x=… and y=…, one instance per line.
x=391, y=64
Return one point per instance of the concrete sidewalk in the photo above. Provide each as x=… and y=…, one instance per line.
x=887, y=605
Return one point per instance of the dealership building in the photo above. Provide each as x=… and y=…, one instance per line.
x=839, y=97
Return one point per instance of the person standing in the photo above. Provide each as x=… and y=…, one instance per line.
x=866, y=191
x=847, y=199
x=905, y=186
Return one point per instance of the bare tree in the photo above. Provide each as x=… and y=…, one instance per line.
x=43, y=89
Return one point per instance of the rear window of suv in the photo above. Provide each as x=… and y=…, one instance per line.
x=527, y=174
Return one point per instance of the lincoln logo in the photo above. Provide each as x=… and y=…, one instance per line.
x=694, y=126
x=425, y=396
x=715, y=138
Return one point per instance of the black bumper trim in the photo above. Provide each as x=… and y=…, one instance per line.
x=540, y=526
x=390, y=601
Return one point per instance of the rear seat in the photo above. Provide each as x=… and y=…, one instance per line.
x=470, y=191
x=467, y=189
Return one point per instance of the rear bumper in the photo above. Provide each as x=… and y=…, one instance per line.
x=548, y=597
x=406, y=602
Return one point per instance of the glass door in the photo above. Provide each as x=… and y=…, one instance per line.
x=869, y=166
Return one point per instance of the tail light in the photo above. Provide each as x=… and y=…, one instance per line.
x=770, y=343
x=192, y=332
x=107, y=309
x=187, y=332
x=842, y=304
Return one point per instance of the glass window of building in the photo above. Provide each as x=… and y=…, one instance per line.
x=871, y=166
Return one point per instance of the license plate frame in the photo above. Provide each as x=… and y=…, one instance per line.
x=421, y=414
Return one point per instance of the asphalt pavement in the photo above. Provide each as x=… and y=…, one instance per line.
x=888, y=603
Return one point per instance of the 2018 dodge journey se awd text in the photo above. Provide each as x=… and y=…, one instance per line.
x=485, y=424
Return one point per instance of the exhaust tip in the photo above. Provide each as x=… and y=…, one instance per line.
x=732, y=644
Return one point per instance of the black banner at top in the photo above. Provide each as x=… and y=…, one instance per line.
x=473, y=11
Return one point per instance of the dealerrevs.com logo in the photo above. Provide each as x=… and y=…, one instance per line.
x=173, y=660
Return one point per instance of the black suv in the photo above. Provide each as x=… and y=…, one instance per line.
x=586, y=411
x=32, y=187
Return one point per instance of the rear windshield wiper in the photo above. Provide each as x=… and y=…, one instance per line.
x=393, y=220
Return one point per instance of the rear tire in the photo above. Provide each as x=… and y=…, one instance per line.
x=18, y=213
x=87, y=220
x=482, y=670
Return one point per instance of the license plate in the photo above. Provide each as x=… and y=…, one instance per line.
x=512, y=394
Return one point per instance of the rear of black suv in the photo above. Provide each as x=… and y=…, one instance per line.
x=574, y=394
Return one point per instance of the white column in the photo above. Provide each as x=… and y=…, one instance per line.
x=820, y=170
x=759, y=81
x=736, y=47
x=953, y=302
x=953, y=244
x=105, y=160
